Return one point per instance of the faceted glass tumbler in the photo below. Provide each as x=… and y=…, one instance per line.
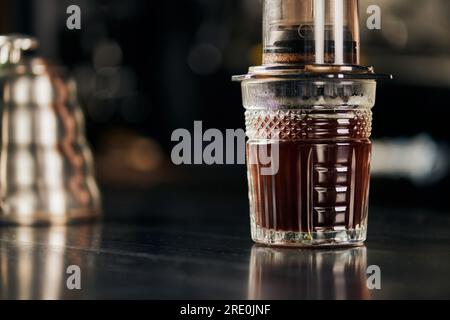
x=308, y=155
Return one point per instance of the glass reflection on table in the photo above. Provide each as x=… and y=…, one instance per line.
x=283, y=274
x=33, y=261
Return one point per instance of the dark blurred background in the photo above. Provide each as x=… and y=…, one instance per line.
x=145, y=68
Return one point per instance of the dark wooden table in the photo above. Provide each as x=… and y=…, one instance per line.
x=178, y=244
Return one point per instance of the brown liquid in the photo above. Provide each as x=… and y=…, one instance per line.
x=321, y=185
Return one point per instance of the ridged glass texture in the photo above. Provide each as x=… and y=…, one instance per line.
x=318, y=132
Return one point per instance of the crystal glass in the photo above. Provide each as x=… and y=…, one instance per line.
x=314, y=136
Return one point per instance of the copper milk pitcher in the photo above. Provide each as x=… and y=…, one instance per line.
x=46, y=166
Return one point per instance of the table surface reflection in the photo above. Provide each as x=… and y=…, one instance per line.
x=168, y=245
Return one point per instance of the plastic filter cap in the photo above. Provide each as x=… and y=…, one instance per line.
x=311, y=32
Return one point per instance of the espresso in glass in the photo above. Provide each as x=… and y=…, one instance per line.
x=315, y=135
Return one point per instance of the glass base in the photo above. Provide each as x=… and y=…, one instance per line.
x=344, y=238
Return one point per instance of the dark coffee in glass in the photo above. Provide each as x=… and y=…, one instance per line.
x=318, y=144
